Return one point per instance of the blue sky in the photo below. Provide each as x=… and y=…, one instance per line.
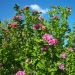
x=6, y=7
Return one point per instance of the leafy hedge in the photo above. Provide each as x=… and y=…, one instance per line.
x=31, y=45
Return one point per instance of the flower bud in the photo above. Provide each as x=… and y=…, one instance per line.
x=26, y=7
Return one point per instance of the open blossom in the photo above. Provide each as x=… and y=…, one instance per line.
x=14, y=24
x=63, y=55
x=40, y=26
x=46, y=37
x=35, y=26
x=49, y=39
x=20, y=73
x=61, y=66
x=55, y=41
x=44, y=48
x=34, y=11
x=70, y=49
x=43, y=27
x=27, y=60
x=52, y=42
x=17, y=17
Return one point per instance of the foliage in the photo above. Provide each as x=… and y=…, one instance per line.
x=35, y=46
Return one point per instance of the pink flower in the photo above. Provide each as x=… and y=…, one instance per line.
x=26, y=7
x=51, y=42
x=43, y=27
x=49, y=39
x=8, y=25
x=61, y=66
x=63, y=55
x=46, y=37
x=20, y=73
x=44, y=48
x=35, y=26
x=54, y=17
x=55, y=41
x=33, y=11
x=27, y=60
x=14, y=24
x=70, y=49
x=19, y=17
x=40, y=26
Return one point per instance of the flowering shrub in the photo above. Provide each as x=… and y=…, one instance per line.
x=30, y=45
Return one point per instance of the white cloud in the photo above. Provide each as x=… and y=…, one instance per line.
x=38, y=8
